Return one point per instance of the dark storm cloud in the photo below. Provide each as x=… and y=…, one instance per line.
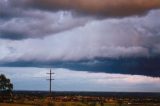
x=30, y=24
x=98, y=8
x=107, y=8
x=21, y=19
x=81, y=35
x=133, y=66
x=7, y=11
x=12, y=35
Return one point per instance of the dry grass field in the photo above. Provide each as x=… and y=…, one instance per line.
x=75, y=104
x=41, y=100
x=8, y=104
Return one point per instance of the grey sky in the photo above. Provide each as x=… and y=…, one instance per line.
x=109, y=36
x=67, y=80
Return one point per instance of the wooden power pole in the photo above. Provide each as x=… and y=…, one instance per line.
x=50, y=81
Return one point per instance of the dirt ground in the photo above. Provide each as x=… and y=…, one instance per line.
x=7, y=104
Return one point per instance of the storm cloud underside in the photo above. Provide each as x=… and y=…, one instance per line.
x=108, y=8
x=112, y=36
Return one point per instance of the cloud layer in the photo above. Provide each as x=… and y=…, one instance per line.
x=110, y=8
x=110, y=38
x=38, y=25
x=82, y=35
x=22, y=19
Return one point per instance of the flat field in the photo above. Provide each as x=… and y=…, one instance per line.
x=8, y=104
x=77, y=104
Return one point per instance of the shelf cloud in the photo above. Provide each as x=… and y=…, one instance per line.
x=112, y=36
x=23, y=19
x=107, y=8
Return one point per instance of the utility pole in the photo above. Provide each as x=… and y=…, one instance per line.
x=50, y=81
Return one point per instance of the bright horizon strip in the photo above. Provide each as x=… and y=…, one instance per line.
x=30, y=78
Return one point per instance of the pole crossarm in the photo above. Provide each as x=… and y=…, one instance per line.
x=49, y=79
x=50, y=73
